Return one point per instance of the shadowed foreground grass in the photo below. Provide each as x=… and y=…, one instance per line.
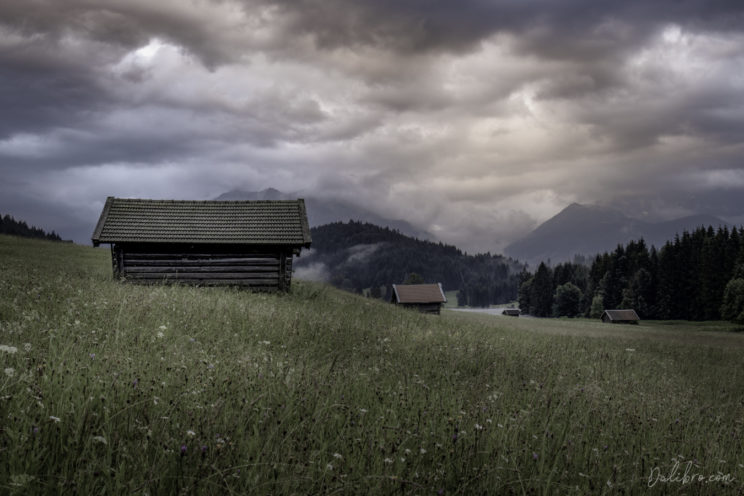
x=122, y=389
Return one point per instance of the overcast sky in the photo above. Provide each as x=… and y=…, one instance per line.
x=472, y=119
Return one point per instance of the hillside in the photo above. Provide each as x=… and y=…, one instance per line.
x=591, y=229
x=13, y=227
x=356, y=256
x=111, y=388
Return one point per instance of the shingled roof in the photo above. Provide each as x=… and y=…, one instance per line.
x=418, y=293
x=628, y=315
x=281, y=222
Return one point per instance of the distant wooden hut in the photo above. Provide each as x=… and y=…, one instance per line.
x=512, y=312
x=426, y=298
x=628, y=316
x=240, y=243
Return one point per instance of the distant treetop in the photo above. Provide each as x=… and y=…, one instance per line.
x=8, y=225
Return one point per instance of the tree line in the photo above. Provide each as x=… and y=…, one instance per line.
x=697, y=276
x=8, y=225
x=360, y=256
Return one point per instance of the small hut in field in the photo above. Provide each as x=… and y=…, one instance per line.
x=237, y=243
x=426, y=298
x=512, y=312
x=628, y=316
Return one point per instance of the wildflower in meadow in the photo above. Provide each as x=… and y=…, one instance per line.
x=183, y=449
x=338, y=456
x=329, y=466
x=534, y=456
x=422, y=451
x=190, y=433
x=10, y=371
x=8, y=349
x=162, y=328
x=388, y=460
x=27, y=347
x=100, y=439
x=160, y=335
x=56, y=419
x=92, y=356
x=478, y=427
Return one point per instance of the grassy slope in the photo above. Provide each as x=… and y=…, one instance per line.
x=164, y=390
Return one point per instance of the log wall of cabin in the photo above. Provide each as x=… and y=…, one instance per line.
x=266, y=268
x=424, y=307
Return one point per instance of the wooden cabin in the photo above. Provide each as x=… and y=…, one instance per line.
x=237, y=243
x=512, y=312
x=426, y=298
x=628, y=316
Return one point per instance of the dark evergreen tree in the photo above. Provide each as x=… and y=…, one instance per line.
x=541, y=294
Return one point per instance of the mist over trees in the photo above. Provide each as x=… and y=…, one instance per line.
x=8, y=225
x=697, y=276
x=360, y=256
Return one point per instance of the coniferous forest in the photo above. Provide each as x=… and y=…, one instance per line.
x=697, y=276
x=8, y=225
x=359, y=256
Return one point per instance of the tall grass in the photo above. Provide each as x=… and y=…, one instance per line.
x=122, y=389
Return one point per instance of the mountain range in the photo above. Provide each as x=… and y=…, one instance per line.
x=322, y=211
x=591, y=229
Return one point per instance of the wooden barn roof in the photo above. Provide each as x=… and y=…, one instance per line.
x=418, y=293
x=281, y=222
x=622, y=315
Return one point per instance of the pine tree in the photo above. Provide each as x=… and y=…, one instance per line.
x=541, y=294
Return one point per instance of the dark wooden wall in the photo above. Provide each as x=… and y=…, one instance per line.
x=424, y=307
x=262, y=268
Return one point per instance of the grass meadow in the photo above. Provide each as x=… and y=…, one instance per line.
x=111, y=388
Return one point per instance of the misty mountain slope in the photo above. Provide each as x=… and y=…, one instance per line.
x=325, y=210
x=356, y=256
x=591, y=229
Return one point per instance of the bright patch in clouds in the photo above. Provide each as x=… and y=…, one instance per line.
x=474, y=121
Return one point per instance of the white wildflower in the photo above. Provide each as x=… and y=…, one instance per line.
x=27, y=347
x=402, y=460
x=407, y=451
x=162, y=328
x=100, y=439
x=388, y=461
x=10, y=371
x=56, y=419
x=190, y=433
x=329, y=466
x=362, y=411
x=338, y=456
x=160, y=334
x=630, y=349
x=422, y=451
x=8, y=349
x=478, y=427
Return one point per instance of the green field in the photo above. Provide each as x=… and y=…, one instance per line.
x=111, y=388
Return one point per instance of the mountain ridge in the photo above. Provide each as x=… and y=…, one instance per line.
x=590, y=229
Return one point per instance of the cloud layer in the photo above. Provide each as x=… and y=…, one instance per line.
x=473, y=120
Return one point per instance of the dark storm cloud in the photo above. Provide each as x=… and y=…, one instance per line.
x=568, y=29
x=505, y=111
